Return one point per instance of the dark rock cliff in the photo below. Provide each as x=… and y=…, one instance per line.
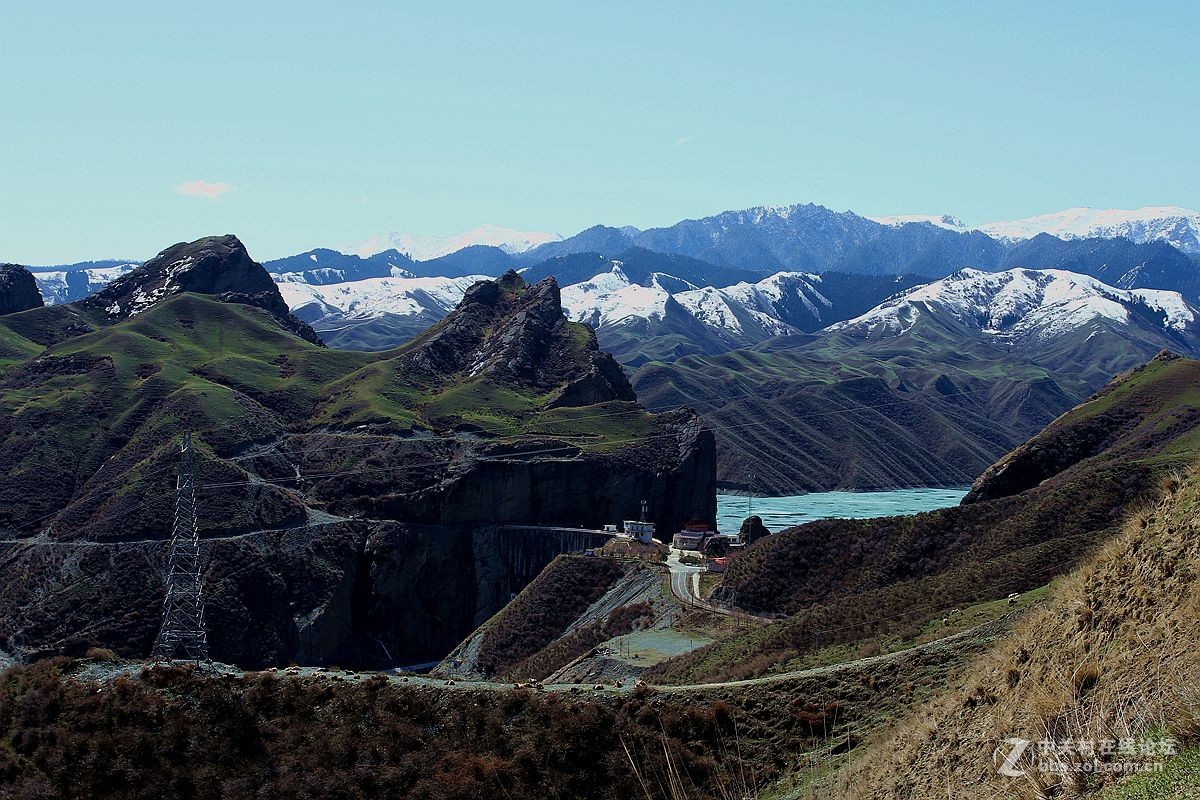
x=18, y=289
x=214, y=265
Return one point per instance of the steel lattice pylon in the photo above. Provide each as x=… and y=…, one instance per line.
x=182, y=635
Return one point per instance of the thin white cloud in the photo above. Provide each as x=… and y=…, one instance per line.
x=682, y=140
x=209, y=190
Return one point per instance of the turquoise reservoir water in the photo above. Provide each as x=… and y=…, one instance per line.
x=783, y=512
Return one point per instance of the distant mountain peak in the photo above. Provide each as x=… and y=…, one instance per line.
x=424, y=248
x=947, y=221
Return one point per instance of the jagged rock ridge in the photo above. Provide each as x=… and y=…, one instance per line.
x=516, y=334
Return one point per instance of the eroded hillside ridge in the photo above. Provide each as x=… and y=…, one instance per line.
x=1075, y=438
x=352, y=505
x=214, y=265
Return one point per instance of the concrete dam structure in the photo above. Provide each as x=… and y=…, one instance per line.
x=508, y=557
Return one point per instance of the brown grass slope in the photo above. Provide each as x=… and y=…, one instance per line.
x=1036, y=515
x=1113, y=654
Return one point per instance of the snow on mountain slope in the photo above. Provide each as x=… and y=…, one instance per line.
x=373, y=297
x=63, y=286
x=769, y=294
x=950, y=223
x=717, y=309
x=328, y=276
x=610, y=298
x=423, y=248
x=1018, y=303
x=1177, y=226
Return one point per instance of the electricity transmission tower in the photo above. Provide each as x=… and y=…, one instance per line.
x=182, y=635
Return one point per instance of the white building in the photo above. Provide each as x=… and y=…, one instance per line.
x=640, y=529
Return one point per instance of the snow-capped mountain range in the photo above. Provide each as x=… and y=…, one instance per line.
x=1023, y=306
x=424, y=248
x=371, y=298
x=610, y=298
x=70, y=284
x=1176, y=226
x=708, y=285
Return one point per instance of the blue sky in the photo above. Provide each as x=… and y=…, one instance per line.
x=310, y=124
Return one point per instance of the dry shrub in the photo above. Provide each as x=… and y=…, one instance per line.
x=101, y=654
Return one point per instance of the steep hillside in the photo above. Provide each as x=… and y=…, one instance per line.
x=1035, y=515
x=1112, y=656
x=538, y=616
x=345, y=499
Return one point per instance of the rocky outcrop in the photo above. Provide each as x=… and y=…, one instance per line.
x=214, y=265
x=18, y=290
x=752, y=530
x=516, y=334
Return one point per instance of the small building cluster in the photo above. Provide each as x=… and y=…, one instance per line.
x=635, y=537
x=698, y=537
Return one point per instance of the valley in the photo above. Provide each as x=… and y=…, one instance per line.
x=449, y=500
x=624, y=401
